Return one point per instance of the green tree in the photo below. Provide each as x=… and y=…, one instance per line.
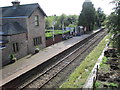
x=48, y=21
x=113, y=23
x=60, y=21
x=72, y=19
x=87, y=16
x=100, y=17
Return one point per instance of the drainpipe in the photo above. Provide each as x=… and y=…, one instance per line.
x=27, y=34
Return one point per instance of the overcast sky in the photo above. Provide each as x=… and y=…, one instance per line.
x=68, y=7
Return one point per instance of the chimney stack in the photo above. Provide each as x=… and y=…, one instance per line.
x=16, y=3
x=87, y=1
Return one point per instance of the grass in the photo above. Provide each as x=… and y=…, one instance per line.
x=113, y=84
x=98, y=84
x=104, y=60
x=49, y=33
x=78, y=77
x=103, y=66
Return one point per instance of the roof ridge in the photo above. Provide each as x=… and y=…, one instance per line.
x=21, y=5
x=21, y=10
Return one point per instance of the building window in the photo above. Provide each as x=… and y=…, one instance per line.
x=15, y=47
x=37, y=41
x=2, y=46
x=36, y=20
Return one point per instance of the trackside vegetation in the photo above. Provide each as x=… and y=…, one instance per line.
x=49, y=33
x=78, y=77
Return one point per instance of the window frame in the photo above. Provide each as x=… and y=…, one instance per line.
x=15, y=47
x=37, y=41
x=36, y=19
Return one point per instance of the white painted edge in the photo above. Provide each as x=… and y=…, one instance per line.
x=89, y=81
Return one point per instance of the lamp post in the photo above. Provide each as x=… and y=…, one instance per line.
x=75, y=31
x=62, y=28
x=53, y=32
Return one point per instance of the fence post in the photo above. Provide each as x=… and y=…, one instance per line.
x=97, y=72
x=94, y=80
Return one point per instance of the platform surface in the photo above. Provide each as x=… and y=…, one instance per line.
x=25, y=64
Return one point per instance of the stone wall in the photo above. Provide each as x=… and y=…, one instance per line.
x=36, y=31
x=22, y=45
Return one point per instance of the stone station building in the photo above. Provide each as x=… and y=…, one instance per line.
x=21, y=31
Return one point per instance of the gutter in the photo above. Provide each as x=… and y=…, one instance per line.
x=14, y=17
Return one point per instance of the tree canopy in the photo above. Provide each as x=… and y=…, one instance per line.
x=61, y=21
x=87, y=16
x=113, y=24
x=100, y=17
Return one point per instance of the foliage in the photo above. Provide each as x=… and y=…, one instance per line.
x=98, y=84
x=12, y=56
x=113, y=84
x=49, y=21
x=104, y=66
x=104, y=60
x=71, y=26
x=49, y=33
x=113, y=23
x=61, y=21
x=100, y=17
x=87, y=16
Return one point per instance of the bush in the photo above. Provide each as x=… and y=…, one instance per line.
x=12, y=58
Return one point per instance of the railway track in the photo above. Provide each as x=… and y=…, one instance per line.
x=71, y=67
x=41, y=79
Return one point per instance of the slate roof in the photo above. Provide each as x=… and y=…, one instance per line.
x=11, y=29
x=20, y=10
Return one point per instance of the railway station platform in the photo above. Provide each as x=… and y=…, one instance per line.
x=29, y=62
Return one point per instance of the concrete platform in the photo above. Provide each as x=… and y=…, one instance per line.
x=25, y=64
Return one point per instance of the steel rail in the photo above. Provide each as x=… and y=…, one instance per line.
x=56, y=73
